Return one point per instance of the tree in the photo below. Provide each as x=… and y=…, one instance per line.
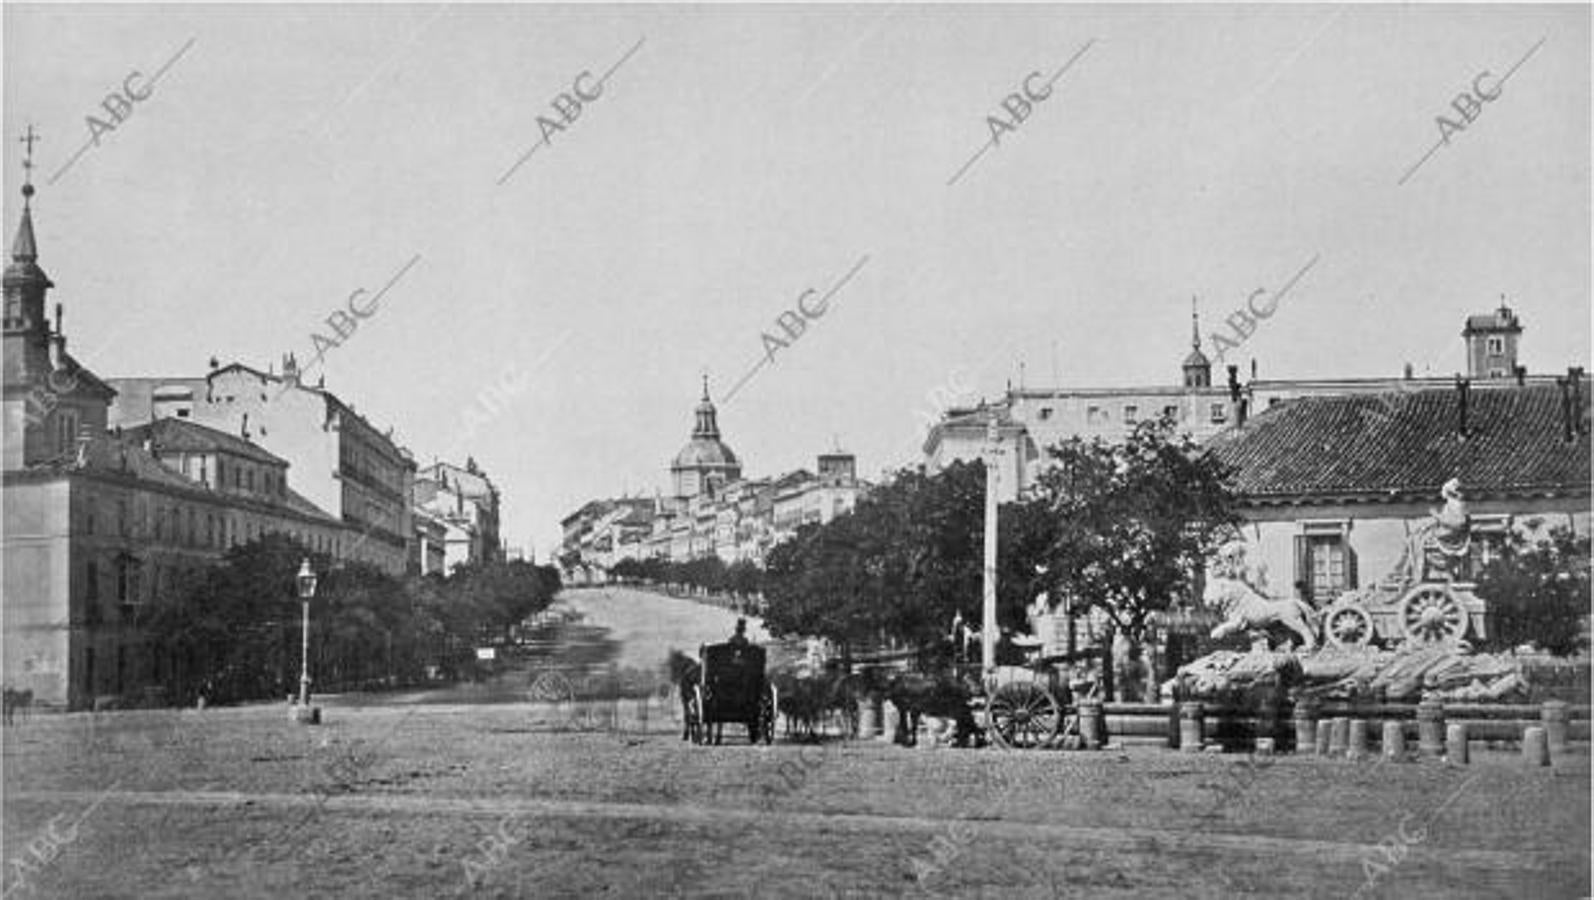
x=1538, y=591
x=1133, y=523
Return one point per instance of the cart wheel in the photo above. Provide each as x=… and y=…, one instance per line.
x=768, y=710
x=694, y=716
x=1348, y=626
x=1430, y=614
x=1024, y=715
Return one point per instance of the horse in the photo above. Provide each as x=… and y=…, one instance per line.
x=810, y=702
x=685, y=673
x=915, y=694
x=1245, y=608
x=15, y=700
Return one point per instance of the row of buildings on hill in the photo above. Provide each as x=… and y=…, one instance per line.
x=712, y=509
x=118, y=489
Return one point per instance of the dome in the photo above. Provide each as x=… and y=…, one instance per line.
x=1196, y=359
x=705, y=453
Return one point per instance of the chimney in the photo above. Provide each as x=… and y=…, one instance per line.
x=1463, y=395
x=1235, y=398
x=1521, y=373
x=1409, y=372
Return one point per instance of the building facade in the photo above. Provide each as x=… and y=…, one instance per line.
x=343, y=463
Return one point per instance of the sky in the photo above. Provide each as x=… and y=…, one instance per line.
x=554, y=320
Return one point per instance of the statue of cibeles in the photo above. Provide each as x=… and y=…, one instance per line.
x=1438, y=546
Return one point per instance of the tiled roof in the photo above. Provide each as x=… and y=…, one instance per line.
x=171, y=434
x=1401, y=444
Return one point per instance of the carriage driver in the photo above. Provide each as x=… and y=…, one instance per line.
x=739, y=639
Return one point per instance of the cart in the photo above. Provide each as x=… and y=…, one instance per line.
x=731, y=687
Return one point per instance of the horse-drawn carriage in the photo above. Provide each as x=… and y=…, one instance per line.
x=727, y=684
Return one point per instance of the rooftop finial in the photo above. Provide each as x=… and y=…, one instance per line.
x=28, y=138
x=1195, y=324
x=705, y=385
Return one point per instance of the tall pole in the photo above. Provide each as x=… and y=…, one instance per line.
x=304, y=658
x=988, y=618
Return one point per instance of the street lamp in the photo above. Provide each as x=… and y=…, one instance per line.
x=307, y=580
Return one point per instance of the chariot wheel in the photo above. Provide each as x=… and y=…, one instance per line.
x=695, y=729
x=768, y=709
x=1430, y=614
x=1023, y=715
x=1348, y=626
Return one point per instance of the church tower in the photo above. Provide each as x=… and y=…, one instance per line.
x=50, y=401
x=706, y=463
x=1492, y=343
x=1197, y=368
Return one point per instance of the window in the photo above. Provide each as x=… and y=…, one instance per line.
x=1131, y=414
x=91, y=582
x=65, y=430
x=1094, y=415
x=210, y=530
x=251, y=479
x=1171, y=413
x=124, y=580
x=1046, y=413
x=1220, y=413
x=193, y=527
x=121, y=517
x=88, y=519
x=221, y=473
x=182, y=414
x=1325, y=564
x=1496, y=345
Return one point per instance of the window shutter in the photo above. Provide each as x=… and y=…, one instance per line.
x=1351, y=578
x=1303, y=566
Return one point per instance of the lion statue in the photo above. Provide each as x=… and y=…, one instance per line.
x=1246, y=608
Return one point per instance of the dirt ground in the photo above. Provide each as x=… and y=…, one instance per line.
x=476, y=791
x=511, y=800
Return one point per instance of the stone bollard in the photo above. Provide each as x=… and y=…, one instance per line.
x=1394, y=741
x=1305, y=725
x=1190, y=736
x=1554, y=716
x=1338, y=736
x=1325, y=736
x=1091, y=724
x=868, y=717
x=1267, y=717
x=1456, y=744
x=1431, y=727
x=1356, y=739
x=1264, y=746
x=1535, y=746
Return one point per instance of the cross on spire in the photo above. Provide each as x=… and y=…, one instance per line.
x=28, y=138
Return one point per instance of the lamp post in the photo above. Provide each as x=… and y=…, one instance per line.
x=307, y=581
x=993, y=461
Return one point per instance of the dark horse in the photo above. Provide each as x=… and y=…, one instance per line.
x=685, y=673
x=916, y=694
x=810, y=702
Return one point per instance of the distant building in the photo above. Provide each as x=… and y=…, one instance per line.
x=344, y=463
x=465, y=502
x=1032, y=419
x=714, y=511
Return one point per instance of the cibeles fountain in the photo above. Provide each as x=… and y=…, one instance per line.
x=1402, y=638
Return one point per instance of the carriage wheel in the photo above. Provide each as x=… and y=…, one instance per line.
x=1024, y=715
x=694, y=716
x=768, y=709
x=1348, y=626
x=1431, y=614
